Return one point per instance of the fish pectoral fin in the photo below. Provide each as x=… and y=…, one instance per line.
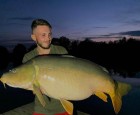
x=39, y=95
x=102, y=96
x=68, y=106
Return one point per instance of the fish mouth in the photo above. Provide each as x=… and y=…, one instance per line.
x=3, y=84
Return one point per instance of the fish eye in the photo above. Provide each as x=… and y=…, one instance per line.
x=13, y=70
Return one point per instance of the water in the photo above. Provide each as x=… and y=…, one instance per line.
x=11, y=98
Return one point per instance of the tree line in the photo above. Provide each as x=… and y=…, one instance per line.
x=120, y=56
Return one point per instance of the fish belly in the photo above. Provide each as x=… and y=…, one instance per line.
x=66, y=90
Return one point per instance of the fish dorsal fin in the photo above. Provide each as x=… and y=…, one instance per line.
x=104, y=69
x=71, y=56
x=68, y=106
x=102, y=96
x=39, y=95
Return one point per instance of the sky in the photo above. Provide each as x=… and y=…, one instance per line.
x=74, y=19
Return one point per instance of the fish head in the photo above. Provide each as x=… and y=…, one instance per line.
x=20, y=77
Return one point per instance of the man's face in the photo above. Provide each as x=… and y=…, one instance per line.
x=42, y=35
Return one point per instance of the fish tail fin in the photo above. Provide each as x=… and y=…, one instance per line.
x=121, y=90
x=117, y=102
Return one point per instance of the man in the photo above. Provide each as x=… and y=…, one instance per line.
x=42, y=35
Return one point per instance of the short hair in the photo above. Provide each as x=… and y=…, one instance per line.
x=38, y=22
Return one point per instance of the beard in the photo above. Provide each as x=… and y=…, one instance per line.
x=44, y=45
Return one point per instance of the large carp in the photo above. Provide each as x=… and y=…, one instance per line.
x=66, y=78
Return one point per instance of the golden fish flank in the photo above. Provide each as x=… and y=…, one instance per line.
x=60, y=76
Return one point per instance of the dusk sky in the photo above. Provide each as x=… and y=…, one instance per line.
x=74, y=19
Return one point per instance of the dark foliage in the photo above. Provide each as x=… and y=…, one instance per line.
x=18, y=54
x=4, y=58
